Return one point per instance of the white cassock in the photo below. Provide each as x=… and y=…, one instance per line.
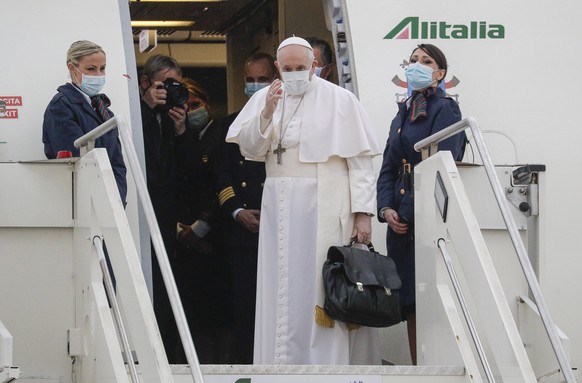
x=308, y=204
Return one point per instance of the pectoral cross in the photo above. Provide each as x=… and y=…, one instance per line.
x=279, y=151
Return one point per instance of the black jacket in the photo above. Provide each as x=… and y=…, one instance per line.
x=196, y=196
x=239, y=185
x=163, y=151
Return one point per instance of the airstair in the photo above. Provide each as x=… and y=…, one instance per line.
x=481, y=316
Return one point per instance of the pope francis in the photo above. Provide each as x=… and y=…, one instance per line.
x=317, y=144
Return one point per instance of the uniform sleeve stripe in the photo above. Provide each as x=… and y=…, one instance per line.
x=225, y=195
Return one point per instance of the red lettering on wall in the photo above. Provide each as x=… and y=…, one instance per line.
x=10, y=113
x=12, y=100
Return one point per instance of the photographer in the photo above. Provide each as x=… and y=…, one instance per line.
x=163, y=114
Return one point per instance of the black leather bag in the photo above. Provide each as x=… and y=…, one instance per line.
x=361, y=287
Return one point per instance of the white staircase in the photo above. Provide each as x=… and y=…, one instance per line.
x=53, y=298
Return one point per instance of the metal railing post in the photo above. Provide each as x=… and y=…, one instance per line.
x=110, y=291
x=156, y=236
x=441, y=243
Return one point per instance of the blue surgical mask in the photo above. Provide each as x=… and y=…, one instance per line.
x=91, y=85
x=198, y=118
x=252, y=87
x=419, y=76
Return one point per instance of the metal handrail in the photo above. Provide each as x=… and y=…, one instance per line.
x=110, y=291
x=156, y=235
x=518, y=245
x=442, y=245
x=447, y=132
x=87, y=141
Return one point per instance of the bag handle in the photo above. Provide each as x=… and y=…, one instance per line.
x=370, y=246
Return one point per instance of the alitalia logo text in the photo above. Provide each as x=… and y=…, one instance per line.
x=413, y=28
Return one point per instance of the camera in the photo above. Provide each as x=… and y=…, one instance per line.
x=177, y=94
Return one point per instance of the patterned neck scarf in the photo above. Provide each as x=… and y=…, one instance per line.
x=100, y=103
x=418, y=103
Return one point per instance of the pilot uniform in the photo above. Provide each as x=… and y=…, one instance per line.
x=239, y=184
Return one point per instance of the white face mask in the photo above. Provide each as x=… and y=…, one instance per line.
x=296, y=82
x=91, y=85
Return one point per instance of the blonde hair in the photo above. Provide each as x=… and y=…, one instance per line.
x=80, y=49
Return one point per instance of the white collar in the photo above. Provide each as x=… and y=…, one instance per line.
x=83, y=93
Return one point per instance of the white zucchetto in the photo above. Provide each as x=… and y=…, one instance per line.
x=294, y=40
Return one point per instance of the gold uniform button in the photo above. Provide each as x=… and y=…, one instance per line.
x=402, y=191
x=243, y=184
x=404, y=161
x=241, y=163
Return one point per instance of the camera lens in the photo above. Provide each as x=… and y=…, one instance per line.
x=177, y=93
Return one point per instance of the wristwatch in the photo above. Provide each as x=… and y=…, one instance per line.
x=382, y=212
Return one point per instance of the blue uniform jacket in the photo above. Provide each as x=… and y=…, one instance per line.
x=393, y=189
x=69, y=116
x=441, y=113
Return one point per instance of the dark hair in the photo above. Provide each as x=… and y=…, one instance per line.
x=324, y=47
x=158, y=63
x=196, y=89
x=256, y=56
x=436, y=54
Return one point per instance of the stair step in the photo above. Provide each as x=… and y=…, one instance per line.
x=321, y=374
